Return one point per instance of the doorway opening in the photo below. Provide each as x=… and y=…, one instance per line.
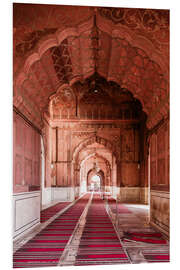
x=95, y=183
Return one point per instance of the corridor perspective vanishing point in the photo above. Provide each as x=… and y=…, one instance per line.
x=90, y=135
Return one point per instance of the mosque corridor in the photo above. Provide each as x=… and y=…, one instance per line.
x=92, y=231
x=91, y=144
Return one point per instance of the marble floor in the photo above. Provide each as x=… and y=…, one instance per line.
x=135, y=221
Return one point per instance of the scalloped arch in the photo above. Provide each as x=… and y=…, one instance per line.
x=107, y=144
x=142, y=89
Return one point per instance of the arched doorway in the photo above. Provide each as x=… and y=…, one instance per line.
x=95, y=153
x=95, y=183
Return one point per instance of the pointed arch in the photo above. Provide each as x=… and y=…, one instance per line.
x=95, y=139
x=101, y=175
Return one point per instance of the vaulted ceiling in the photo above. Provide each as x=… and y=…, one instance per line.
x=62, y=52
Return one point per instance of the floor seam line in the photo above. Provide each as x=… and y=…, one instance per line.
x=68, y=248
x=117, y=232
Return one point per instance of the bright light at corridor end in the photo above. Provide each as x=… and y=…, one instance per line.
x=95, y=178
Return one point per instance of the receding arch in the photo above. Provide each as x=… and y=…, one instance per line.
x=98, y=156
x=94, y=139
x=106, y=162
x=101, y=175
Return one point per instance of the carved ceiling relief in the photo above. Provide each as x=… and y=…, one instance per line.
x=62, y=61
x=154, y=22
x=63, y=104
x=47, y=19
x=102, y=100
x=32, y=22
x=79, y=55
x=31, y=40
x=83, y=134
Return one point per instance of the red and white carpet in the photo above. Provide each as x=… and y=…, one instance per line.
x=53, y=210
x=46, y=248
x=157, y=256
x=145, y=237
x=99, y=242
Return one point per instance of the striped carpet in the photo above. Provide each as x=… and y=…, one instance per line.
x=53, y=210
x=151, y=237
x=99, y=242
x=46, y=247
x=156, y=256
x=122, y=209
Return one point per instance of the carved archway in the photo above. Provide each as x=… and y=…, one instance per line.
x=101, y=175
x=108, y=168
x=108, y=165
x=143, y=73
x=95, y=139
x=89, y=141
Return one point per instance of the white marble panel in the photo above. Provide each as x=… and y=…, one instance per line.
x=46, y=196
x=71, y=194
x=83, y=187
x=26, y=212
x=64, y=194
x=77, y=191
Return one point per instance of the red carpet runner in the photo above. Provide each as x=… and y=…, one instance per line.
x=156, y=256
x=46, y=247
x=122, y=209
x=99, y=242
x=51, y=211
x=151, y=238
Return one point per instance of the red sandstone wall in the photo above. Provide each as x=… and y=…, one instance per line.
x=159, y=158
x=47, y=140
x=26, y=156
x=159, y=177
x=67, y=136
x=63, y=158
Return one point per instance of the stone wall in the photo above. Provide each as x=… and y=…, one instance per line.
x=159, y=210
x=117, y=145
x=159, y=157
x=133, y=195
x=26, y=156
x=159, y=176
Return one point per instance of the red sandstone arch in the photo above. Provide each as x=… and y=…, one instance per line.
x=107, y=176
x=104, y=25
x=108, y=165
x=151, y=91
x=91, y=173
x=107, y=144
